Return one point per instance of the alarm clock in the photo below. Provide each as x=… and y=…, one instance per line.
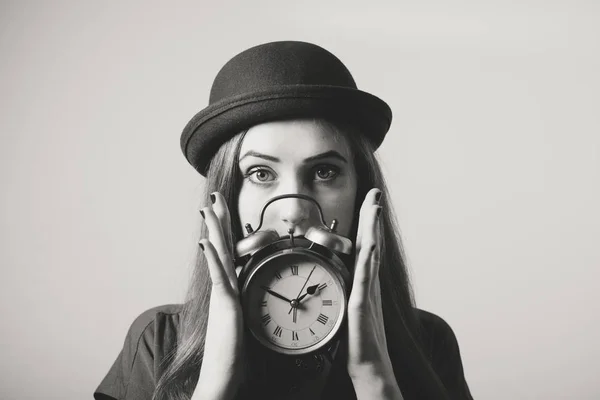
x=294, y=290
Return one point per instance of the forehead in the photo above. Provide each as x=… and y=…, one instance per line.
x=294, y=139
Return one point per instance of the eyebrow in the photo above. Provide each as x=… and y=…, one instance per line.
x=327, y=154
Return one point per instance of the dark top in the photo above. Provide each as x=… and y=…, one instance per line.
x=153, y=334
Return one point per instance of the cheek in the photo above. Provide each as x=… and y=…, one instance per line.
x=340, y=206
x=249, y=206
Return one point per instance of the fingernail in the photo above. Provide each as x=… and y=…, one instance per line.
x=379, y=211
x=377, y=197
x=212, y=198
x=201, y=246
x=202, y=213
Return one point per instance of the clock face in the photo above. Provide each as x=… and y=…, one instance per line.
x=294, y=303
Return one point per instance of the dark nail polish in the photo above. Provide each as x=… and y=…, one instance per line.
x=378, y=212
x=201, y=246
x=378, y=196
x=212, y=198
x=202, y=213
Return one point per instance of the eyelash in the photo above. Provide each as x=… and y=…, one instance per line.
x=252, y=171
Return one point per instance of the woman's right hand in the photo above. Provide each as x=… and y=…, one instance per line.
x=222, y=366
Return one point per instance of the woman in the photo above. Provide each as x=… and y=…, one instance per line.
x=287, y=118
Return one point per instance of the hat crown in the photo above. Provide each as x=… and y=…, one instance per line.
x=278, y=64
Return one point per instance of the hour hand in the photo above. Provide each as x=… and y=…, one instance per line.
x=268, y=290
x=309, y=290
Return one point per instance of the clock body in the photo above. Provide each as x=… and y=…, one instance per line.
x=294, y=296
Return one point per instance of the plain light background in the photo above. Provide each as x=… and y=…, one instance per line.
x=493, y=161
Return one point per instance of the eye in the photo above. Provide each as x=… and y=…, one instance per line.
x=326, y=172
x=259, y=175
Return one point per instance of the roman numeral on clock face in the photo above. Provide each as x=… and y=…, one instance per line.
x=322, y=286
x=266, y=319
x=311, y=332
x=263, y=303
x=323, y=318
x=277, y=331
x=278, y=275
x=294, y=269
x=294, y=335
x=327, y=302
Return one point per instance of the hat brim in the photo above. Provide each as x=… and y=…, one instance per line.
x=219, y=122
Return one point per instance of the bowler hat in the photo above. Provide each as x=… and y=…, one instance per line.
x=275, y=81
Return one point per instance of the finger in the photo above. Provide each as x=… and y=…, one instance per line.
x=215, y=235
x=376, y=254
x=222, y=211
x=375, y=296
x=218, y=276
x=375, y=287
x=372, y=198
x=362, y=280
x=378, y=321
x=363, y=269
x=368, y=231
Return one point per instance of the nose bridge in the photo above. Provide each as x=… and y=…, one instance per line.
x=293, y=211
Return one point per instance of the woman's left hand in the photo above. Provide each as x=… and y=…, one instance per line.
x=369, y=364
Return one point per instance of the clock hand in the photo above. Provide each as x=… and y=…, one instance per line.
x=300, y=292
x=275, y=294
x=295, y=313
x=309, y=290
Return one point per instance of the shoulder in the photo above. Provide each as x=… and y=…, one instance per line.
x=159, y=314
x=155, y=330
x=441, y=346
x=154, y=321
x=436, y=334
x=151, y=337
x=431, y=323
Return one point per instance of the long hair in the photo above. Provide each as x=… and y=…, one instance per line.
x=411, y=366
